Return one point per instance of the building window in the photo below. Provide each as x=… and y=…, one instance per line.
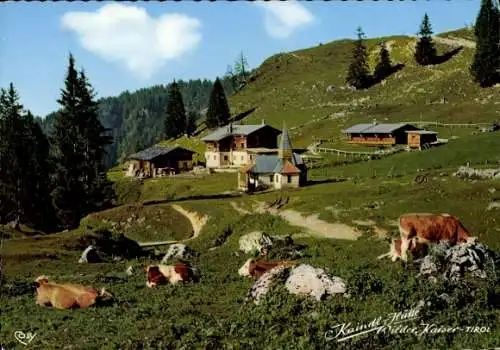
x=215, y=157
x=242, y=145
x=276, y=178
x=289, y=179
x=225, y=157
x=242, y=158
x=270, y=178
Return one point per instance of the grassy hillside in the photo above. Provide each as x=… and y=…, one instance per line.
x=367, y=195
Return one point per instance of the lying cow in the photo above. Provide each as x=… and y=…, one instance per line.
x=256, y=268
x=430, y=228
x=417, y=249
x=173, y=274
x=66, y=296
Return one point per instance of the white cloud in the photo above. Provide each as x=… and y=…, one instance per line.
x=127, y=34
x=282, y=18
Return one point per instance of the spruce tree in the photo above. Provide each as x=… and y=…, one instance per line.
x=191, y=122
x=486, y=58
x=69, y=192
x=384, y=66
x=99, y=190
x=357, y=74
x=218, y=113
x=425, y=52
x=175, y=121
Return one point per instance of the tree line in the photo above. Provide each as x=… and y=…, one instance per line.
x=136, y=120
x=178, y=122
x=51, y=182
x=484, y=68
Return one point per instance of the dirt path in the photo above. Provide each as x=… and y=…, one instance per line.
x=454, y=41
x=197, y=221
x=319, y=227
x=313, y=224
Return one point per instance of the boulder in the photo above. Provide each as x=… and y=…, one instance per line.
x=178, y=251
x=89, y=255
x=303, y=279
x=452, y=262
x=254, y=241
x=308, y=280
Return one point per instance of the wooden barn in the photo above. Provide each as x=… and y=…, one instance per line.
x=376, y=134
x=159, y=161
x=421, y=138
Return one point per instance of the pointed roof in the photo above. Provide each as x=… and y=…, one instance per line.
x=285, y=139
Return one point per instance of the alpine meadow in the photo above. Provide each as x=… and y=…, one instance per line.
x=341, y=196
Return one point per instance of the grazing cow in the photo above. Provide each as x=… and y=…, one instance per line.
x=430, y=228
x=173, y=274
x=256, y=268
x=417, y=249
x=66, y=296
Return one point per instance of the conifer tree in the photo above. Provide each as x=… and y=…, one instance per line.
x=425, y=52
x=99, y=190
x=357, y=74
x=175, y=121
x=218, y=113
x=24, y=171
x=384, y=66
x=79, y=140
x=486, y=61
x=69, y=196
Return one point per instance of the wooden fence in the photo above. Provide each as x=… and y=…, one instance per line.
x=463, y=125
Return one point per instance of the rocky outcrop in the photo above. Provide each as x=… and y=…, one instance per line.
x=254, y=242
x=89, y=255
x=451, y=263
x=303, y=280
x=311, y=281
x=178, y=251
x=466, y=172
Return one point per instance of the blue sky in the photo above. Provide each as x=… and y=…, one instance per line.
x=130, y=45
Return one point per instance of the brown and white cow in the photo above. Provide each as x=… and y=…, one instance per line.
x=173, y=274
x=428, y=228
x=256, y=268
x=66, y=296
x=417, y=249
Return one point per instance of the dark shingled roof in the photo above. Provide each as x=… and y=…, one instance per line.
x=234, y=129
x=153, y=152
x=374, y=128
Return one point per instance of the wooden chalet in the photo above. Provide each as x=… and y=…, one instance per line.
x=379, y=134
x=234, y=145
x=159, y=161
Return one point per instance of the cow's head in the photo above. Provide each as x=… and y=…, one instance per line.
x=40, y=281
x=245, y=269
